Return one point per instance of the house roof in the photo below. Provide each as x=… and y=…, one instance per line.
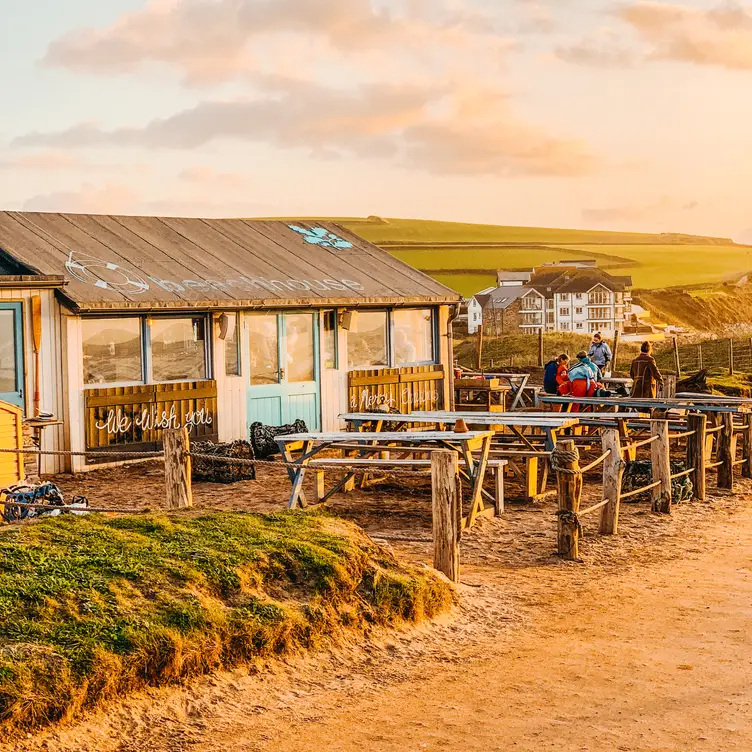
x=123, y=263
x=502, y=297
x=574, y=280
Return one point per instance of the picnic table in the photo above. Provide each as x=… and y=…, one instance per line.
x=310, y=445
x=696, y=403
x=517, y=383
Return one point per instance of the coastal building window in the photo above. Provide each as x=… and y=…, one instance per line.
x=564, y=297
x=299, y=356
x=232, y=347
x=600, y=314
x=263, y=342
x=578, y=311
x=367, y=343
x=112, y=350
x=564, y=312
x=329, y=334
x=565, y=327
x=413, y=336
x=600, y=298
x=178, y=349
x=579, y=324
x=578, y=296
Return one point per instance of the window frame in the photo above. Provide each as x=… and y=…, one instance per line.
x=238, y=342
x=147, y=371
x=322, y=318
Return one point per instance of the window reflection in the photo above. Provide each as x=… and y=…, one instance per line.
x=367, y=340
x=413, y=336
x=112, y=350
x=264, y=349
x=178, y=349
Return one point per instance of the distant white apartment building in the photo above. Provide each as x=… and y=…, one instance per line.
x=564, y=297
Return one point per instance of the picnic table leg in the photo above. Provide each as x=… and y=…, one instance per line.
x=297, y=474
x=350, y=486
x=747, y=466
x=478, y=474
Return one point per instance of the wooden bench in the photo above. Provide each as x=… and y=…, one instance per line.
x=496, y=466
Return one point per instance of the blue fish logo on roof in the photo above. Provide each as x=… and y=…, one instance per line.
x=320, y=236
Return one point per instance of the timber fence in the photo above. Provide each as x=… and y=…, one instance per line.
x=701, y=448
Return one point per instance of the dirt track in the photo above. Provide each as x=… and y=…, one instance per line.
x=645, y=646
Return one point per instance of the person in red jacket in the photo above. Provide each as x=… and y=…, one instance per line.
x=562, y=374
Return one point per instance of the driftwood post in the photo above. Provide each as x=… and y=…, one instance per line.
x=677, y=361
x=480, y=348
x=613, y=471
x=747, y=466
x=660, y=458
x=697, y=452
x=615, y=353
x=725, y=453
x=447, y=513
x=540, y=348
x=177, y=468
x=731, y=356
x=566, y=460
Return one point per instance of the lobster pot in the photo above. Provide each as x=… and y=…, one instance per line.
x=11, y=437
x=220, y=471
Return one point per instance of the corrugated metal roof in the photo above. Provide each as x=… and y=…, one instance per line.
x=117, y=263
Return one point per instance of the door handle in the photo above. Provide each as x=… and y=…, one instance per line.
x=282, y=374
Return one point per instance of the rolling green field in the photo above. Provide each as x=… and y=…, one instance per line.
x=465, y=256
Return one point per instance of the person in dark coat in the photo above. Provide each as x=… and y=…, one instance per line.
x=645, y=375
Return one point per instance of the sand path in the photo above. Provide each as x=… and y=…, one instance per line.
x=649, y=648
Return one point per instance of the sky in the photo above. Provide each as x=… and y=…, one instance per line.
x=602, y=114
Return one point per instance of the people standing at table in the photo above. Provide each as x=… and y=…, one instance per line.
x=646, y=376
x=600, y=352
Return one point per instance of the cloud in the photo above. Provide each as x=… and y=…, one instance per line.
x=439, y=130
x=721, y=36
x=203, y=175
x=117, y=198
x=211, y=41
x=602, y=49
x=42, y=161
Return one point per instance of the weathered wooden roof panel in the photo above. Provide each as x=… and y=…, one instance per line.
x=117, y=262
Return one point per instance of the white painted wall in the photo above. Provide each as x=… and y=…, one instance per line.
x=52, y=384
x=231, y=390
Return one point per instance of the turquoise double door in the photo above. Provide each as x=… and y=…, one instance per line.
x=284, y=369
x=11, y=354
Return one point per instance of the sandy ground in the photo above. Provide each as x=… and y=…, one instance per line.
x=644, y=646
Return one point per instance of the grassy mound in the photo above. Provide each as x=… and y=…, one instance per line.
x=92, y=608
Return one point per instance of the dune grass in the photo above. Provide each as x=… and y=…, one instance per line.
x=92, y=608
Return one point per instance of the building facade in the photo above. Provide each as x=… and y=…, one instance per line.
x=560, y=298
x=121, y=327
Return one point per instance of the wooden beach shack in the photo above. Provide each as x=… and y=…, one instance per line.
x=123, y=326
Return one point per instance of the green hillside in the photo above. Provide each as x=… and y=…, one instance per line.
x=466, y=256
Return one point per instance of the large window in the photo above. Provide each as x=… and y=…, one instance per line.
x=178, y=349
x=413, y=336
x=112, y=351
x=8, y=365
x=299, y=356
x=232, y=346
x=329, y=334
x=264, y=349
x=367, y=343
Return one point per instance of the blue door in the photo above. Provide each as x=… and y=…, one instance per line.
x=284, y=369
x=11, y=354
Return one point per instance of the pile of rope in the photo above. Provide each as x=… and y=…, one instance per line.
x=203, y=469
x=41, y=495
x=640, y=473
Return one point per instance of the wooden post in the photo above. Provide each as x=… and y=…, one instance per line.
x=731, y=356
x=177, y=468
x=569, y=489
x=615, y=353
x=747, y=466
x=661, y=462
x=669, y=386
x=613, y=471
x=725, y=454
x=480, y=348
x=447, y=513
x=699, y=357
x=540, y=347
x=677, y=362
x=697, y=452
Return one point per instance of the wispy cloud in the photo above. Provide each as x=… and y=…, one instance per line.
x=663, y=208
x=720, y=36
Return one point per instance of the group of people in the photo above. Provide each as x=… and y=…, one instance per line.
x=585, y=377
